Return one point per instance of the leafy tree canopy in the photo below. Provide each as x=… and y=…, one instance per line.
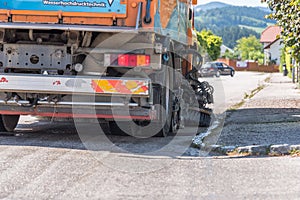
x=250, y=48
x=210, y=43
x=231, y=55
x=286, y=13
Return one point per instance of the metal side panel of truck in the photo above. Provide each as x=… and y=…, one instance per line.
x=117, y=57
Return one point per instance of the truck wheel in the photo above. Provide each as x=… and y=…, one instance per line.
x=8, y=122
x=174, y=123
x=119, y=128
x=165, y=114
x=168, y=122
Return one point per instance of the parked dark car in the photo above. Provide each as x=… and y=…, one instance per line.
x=216, y=69
x=209, y=69
x=225, y=69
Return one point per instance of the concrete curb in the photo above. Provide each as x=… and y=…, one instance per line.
x=253, y=150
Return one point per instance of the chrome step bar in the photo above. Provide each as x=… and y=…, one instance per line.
x=21, y=102
x=110, y=104
x=68, y=27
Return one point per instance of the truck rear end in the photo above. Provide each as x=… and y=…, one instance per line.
x=111, y=59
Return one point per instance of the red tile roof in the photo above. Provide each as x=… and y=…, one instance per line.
x=270, y=34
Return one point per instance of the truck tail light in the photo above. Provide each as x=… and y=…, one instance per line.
x=127, y=60
x=123, y=60
x=132, y=60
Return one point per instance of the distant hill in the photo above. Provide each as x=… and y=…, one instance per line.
x=265, y=9
x=231, y=22
x=211, y=5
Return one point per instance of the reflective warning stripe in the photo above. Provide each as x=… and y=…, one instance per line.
x=121, y=86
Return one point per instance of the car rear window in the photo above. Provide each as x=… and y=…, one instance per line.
x=207, y=65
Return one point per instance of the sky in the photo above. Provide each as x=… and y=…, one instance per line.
x=236, y=2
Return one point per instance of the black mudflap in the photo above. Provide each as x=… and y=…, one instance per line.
x=198, y=118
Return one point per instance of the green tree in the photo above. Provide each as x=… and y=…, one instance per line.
x=250, y=48
x=210, y=43
x=231, y=55
x=286, y=13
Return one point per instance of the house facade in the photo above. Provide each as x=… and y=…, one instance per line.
x=270, y=38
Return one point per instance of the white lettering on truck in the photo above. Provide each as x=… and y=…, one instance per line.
x=76, y=3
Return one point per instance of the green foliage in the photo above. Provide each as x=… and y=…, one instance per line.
x=250, y=49
x=231, y=22
x=286, y=13
x=256, y=29
x=282, y=58
x=230, y=55
x=231, y=34
x=211, y=43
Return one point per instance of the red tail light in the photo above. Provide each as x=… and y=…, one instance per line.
x=148, y=60
x=123, y=60
x=132, y=60
x=127, y=60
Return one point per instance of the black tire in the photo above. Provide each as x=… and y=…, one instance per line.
x=218, y=74
x=120, y=128
x=174, y=126
x=8, y=122
x=169, y=119
x=165, y=114
x=231, y=73
x=205, y=120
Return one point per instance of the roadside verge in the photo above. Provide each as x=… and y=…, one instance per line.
x=265, y=122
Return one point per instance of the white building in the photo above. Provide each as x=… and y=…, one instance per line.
x=270, y=38
x=224, y=49
x=273, y=51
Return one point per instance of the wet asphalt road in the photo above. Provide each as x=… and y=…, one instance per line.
x=50, y=161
